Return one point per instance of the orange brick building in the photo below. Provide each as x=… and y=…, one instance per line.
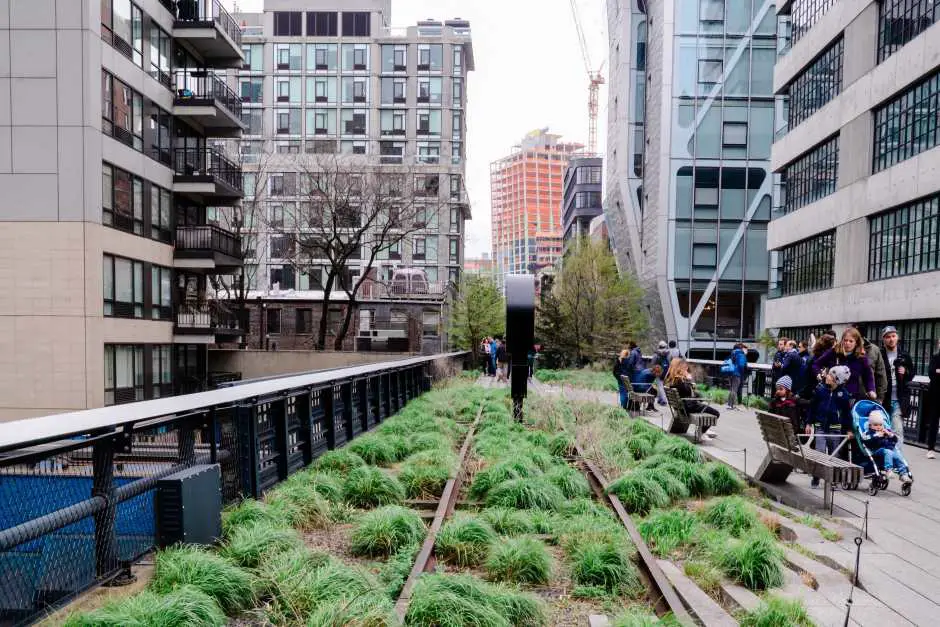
x=526, y=199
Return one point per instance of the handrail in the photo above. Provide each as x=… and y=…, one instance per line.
x=208, y=237
x=208, y=161
x=33, y=431
x=206, y=84
x=200, y=11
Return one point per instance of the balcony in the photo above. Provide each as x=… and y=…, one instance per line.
x=206, y=176
x=209, y=30
x=206, y=323
x=207, y=247
x=204, y=100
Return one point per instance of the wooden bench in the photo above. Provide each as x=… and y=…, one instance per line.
x=636, y=401
x=785, y=452
x=682, y=418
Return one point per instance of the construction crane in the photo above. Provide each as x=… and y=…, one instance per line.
x=595, y=78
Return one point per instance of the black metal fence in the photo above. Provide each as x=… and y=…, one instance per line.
x=77, y=491
x=195, y=85
x=199, y=12
x=208, y=162
x=208, y=238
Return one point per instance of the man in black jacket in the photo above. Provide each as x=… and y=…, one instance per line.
x=900, y=370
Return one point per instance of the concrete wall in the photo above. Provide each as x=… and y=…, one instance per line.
x=254, y=363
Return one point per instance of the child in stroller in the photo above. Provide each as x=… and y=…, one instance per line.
x=878, y=443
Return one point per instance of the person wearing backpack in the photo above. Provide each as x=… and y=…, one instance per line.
x=735, y=367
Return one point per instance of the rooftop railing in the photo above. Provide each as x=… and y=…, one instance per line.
x=202, y=11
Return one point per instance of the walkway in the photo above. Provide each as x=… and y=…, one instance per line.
x=900, y=562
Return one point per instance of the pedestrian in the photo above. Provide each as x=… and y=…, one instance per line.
x=900, y=369
x=674, y=351
x=931, y=409
x=494, y=346
x=620, y=371
x=662, y=360
x=786, y=404
x=777, y=361
x=681, y=379
x=738, y=371
x=823, y=344
x=850, y=352
x=830, y=412
x=646, y=379
x=502, y=361
x=485, y=352
x=792, y=363
x=877, y=364
x=634, y=360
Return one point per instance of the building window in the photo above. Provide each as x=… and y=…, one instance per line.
x=734, y=135
x=907, y=126
x=321, y=57
x=355, y=57
x=161, y=207
x=304, y=323
x=251, y=89
x=288, y=121
x=427, y=184
x=816, y=85
x=712, y=11
x=251, y=118
x=159, y=55
x=391, y=152
x=807, y=266
x=353, y=122
x=918, y=338
x=288, y=23
x=354, y=89
x=589, y=175
x=454, y=219
x=900, y=21
x=123, y=287
x=583, y=200
x=122, y=27
x=705, y=256
x=392, y=122
x=321, y=90
x=322, y=24
x=356, y=24
x=321, y=121
x=805, y=13
x=812, y=176
x=430, y=322
x=429, y=152
x=709, y=71
x=161, y=293
x=162, y=370
x=419, y=248
x=288, y=90
x=273, y=322
x=458, y=59
x=457, y=93
x=394, y=91
x=122, y=112
x=123, y=373
x=394, y=58
x=905, y=240
x=429, y=89
x=122, y=201
x=282, y=277
x=283, y=184
x=254, y=57
x=429, y=122
x=430, y=57
x=454, y=250
x=287, y=56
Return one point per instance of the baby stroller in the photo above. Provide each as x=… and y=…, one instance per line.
x=877, y=474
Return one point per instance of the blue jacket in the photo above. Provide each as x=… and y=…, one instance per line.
x=634, y=363
x=739, y=361
x=873, y=442
x=792, y=365
x=831, y=410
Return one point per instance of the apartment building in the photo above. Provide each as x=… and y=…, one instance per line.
x=526, y=200
x=582, y=197
x=112, y=108
x=856, y=229
x=690, y=127
x=330, y=88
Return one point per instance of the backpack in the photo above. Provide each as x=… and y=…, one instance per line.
x=727, y=367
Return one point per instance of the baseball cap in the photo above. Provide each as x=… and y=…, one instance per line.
x=888, y=329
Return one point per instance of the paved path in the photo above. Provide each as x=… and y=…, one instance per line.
x=900, y=563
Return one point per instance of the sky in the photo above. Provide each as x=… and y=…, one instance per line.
x=529, y=74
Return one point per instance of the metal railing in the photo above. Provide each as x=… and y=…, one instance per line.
x=208, y=238
x=206, y=85
x=77, y=490
x=206, y=316
x=198, y=12
x=208, y=162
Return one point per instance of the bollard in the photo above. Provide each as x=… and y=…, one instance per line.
x=520, y=335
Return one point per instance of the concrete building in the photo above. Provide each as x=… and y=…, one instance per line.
x=107, y=134
x=483, y=265
x=581, y=197
x=688, y=195
x=329, y=88
x=856, y=234
x=526, y=199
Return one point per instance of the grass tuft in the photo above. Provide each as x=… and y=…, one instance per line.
x=671, y=484
x=461, y=600
x=639, y=493
x=492, y=476
x=300, y=581
x=386, y=530
x=245, y=513
x=561, y=445
x=637, y=617
x=464, y=540
x=724, y=480
x=777, y=612
x=339, y=461
x=185, y=606
x=519, y=560
x=367, y=486
x=640, y=446
x=232, y=588
x=531, y=493
x=605, y=565
x=732, y=514
x=757, y=563
x=247, y=546
x=677, y=448
x=375, y=450
x=301, y=506
x=665, y=531
x=370, y=610
x=572, y=483
x=507, y=521
x=705, y=575
x=326, y=484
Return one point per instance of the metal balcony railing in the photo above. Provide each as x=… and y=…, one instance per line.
x=208, y=238
x=202, y=11
x=208, y=162
x=205, y=316
x=206, y=85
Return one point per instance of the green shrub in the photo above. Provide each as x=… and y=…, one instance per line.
x=639, y=493
x=636, y=617
x=491, y=476
x=296, y=591
x=679, y=449
x=385, y=530
x=232, y=588
x=724, y=480
x=340, y=461
x=464, y=540
x=777, y=612
x=247, y=512
x=423, y=481
x=570, y=481
x=461, y=600
x=542, y=459
x=757, y=402
x=326, y=484
x=507, y=521
x=574, y=507
x=519, y=560
x=605, y=565
x=531, y=493
x=671, y=484
x=757, y=563
x=300, y=505
x=248, y=545
x=705, y=575
x=665, y=531
x=639, y=446
x=372, y=610
x=185, y=606
x=430, y=442
x=374, y=449
x=367, y=486
x=732, y=514
x=396, y=569
x=561, y=445
x=694, y=477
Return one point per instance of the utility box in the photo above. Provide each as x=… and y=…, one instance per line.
x=189, y=506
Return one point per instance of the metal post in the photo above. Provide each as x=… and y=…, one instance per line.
x=345, y=392
x=186, y=445
x=305, y=415
x=106, y=557
x=326, y=398
x=364, y=409
x=213, y=437
x=277, y=414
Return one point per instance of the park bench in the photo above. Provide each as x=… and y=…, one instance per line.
x=682, y=418
x=636, y=401
x=785, y=452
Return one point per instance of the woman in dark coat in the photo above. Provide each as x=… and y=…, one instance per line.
x=932, y=404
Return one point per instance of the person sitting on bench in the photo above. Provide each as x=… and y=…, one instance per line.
x=681, y=379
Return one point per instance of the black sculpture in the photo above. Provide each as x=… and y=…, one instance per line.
x=520, y=334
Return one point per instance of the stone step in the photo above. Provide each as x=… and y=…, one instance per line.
x=700, y=604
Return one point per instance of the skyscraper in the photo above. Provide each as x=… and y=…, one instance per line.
x=690, y=126
x=526, y=199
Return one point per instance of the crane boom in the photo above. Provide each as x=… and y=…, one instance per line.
x=595, y=80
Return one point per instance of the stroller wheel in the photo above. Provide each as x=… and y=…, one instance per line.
x=872, y=489
x=847, y=485
x=906, y=489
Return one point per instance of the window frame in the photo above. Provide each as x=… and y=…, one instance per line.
x=114, y=308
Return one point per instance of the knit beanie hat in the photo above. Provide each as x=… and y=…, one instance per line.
x=785, y=382
x=663, y=345
x=841, y=374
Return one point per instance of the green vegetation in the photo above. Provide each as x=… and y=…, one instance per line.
x=508, y=522
x=531, y=493
x=460, y=600
x=636, y=617
x=184, y=606
x=585, y=378
x=570, y=481
x=464, y=540
x=340, y=461
x=756, y=562
x=519, y=560
x=639, y=493
x=665, y=531
x=233, y=588
x=387, y=530
x=300, y=505
x=374, y=449
x=604, y=565
x=367, y=486
x=777, y=612
x=249, y=544
x=724, y=480
x=490, y=477
x=732, y=514
x=371, y=609
x=326, y=484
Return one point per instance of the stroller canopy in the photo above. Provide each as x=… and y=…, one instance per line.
x=860, y=413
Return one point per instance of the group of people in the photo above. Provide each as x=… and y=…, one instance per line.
x=495, y=358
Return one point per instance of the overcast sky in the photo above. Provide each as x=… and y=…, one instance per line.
x=529, y=74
